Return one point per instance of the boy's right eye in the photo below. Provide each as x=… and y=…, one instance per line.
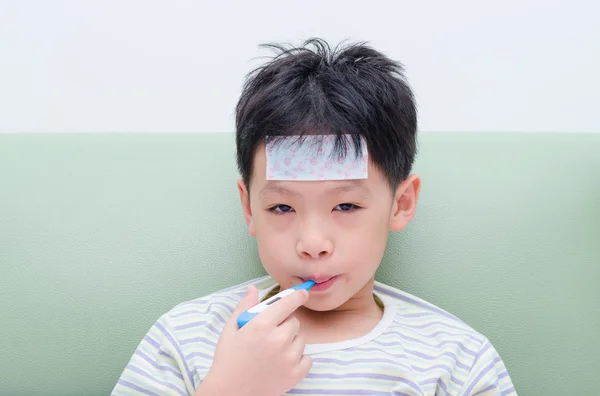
x=281, y=209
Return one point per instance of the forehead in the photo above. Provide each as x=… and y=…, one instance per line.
x=262, y=186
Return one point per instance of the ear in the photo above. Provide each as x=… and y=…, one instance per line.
x=405, y=203
x=245, y=201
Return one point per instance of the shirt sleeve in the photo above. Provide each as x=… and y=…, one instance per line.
x=157, y=366
x=488, y=375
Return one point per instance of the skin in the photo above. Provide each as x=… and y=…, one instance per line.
x=319, y=229
x=307, y=230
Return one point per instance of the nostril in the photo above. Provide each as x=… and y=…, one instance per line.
x=323, y=253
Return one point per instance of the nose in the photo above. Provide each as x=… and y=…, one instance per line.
x=313, y=243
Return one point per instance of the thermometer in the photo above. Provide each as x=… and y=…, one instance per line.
x=255, y=310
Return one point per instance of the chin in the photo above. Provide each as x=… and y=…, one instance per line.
x=323, y=305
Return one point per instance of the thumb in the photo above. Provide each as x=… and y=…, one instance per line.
x=249, y=300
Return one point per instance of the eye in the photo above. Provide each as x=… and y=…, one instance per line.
x=346, y=207
x=281, y=209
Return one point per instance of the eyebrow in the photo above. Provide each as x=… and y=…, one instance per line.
x=274, y=187
x=350, y=185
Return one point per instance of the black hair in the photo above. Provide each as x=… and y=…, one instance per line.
x=314, y=89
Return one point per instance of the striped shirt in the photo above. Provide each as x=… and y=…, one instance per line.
x=415, y=349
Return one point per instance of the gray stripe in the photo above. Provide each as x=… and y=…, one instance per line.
x=484, y=390
x=430, y=368
x=368, y=375
x=227, y=307
x=481, y=352
x=135, y=387
x=198, y=339
x=163, y=383
x=429, y=324
x=179, y=352
x=221, y=319
x=199, y=354
x=152, y=342
x=438, y=381
x=234, y=301
x=180, y=314
x=197, y=302
x=441, y=332
x=197, y=324
x=213, y=329
x=483, y=372
x=456, y=380
x=458, y=343
x=211, y=304
x=354, y=361
x=504, y=374
x=352, y=351
x=479, y=340
x=157, y=366
x=429, y=357
x=412, y=366
x=165, y=354
x=205, y=325
x=189, y=325
x=509, y=391
x=340, y=392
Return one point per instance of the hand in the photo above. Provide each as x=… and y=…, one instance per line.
x=265, y=357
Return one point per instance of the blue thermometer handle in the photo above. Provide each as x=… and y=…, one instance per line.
x=258, y=308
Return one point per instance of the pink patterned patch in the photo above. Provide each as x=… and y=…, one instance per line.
x=311, y=158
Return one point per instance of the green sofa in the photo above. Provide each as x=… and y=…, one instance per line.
x=102, y=233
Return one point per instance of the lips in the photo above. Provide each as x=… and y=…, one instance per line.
x=318, y=278
x=324, y=285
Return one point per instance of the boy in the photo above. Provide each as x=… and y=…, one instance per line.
x=325, y=144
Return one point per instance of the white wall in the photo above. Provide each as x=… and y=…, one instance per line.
x=177, y=66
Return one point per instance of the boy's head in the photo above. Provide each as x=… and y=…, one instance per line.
x=325, y=228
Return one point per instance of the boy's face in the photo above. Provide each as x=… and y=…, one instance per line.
x=333, y=232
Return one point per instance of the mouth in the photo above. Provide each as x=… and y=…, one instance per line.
x=322, y=282
x=317, y=278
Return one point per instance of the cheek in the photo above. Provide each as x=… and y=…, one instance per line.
x=266, y=222
x=273, y=243
x=366, y=242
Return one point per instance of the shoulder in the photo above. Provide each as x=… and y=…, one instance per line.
x=414, y=311
x=177, y=351
x=431, y=337
x=427, y=334
x=213, y=310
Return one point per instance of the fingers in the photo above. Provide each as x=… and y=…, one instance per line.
x=247, y=302
x=279, y=311
x=290, y=328
x=304, y=367
x=298, y=346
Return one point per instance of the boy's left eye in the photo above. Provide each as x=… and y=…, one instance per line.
x=346, y=207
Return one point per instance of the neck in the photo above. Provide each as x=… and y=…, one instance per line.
x=355, y=318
